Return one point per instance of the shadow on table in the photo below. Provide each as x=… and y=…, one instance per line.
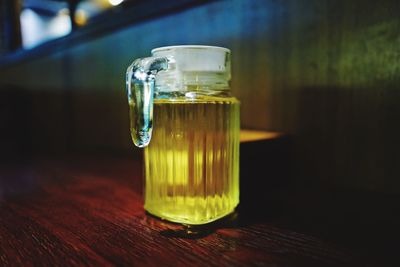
x=365, y=223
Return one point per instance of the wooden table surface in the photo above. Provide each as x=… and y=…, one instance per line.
x=90, y=212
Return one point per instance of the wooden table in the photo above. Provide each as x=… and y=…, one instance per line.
x=90, y=212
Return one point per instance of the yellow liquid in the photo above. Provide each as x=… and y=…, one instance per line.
x=192, y=161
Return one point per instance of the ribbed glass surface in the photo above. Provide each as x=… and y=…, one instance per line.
x=192, y=161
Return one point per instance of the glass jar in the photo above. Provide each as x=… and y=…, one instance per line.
x=183, y=113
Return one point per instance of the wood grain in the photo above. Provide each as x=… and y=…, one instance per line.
x=90, y=212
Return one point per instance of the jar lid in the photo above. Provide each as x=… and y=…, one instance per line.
x=197, y=58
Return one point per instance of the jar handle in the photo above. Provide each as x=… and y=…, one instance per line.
x=140, y=82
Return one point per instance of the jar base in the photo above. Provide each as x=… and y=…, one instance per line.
x=186, y=219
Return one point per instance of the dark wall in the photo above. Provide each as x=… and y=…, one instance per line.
x=325, y=72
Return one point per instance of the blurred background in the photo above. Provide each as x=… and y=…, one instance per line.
x=326, y=73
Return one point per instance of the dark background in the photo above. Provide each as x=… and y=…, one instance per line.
x=325, y=72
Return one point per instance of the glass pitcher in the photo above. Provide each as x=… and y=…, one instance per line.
x=182, y=112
